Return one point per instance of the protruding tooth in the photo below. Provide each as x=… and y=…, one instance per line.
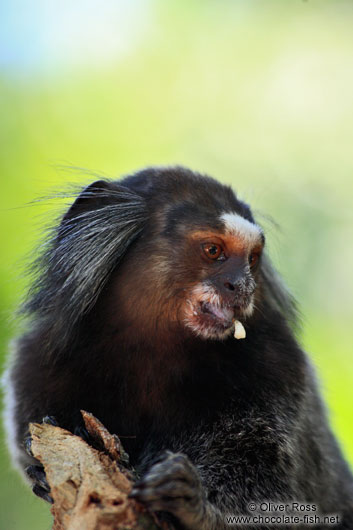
x=239, y=330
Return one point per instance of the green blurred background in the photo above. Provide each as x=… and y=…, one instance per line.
x=256, y=93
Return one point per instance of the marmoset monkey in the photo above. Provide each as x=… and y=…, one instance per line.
x=132, y=317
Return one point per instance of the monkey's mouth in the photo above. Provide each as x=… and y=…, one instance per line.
x=209, y=316
x=215, y=314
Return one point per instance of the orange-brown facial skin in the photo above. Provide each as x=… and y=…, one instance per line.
x=231, y=244
x=173, y=281
x=226, y=285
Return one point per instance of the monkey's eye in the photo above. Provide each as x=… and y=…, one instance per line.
x=253, y=259
x=213, y=251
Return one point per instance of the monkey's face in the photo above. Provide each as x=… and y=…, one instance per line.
x=225, y=263
x=200, y=276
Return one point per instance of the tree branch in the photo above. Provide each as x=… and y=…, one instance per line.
x=89, y=486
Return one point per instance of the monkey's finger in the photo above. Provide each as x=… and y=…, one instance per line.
x=165, y=504
x=27, y=443
x=42, y=493
x=157, y=477
x=167, y=482
x=82, y=433
x=167, y=471
x=51, y=420
x=171, y=490
x=37, y=475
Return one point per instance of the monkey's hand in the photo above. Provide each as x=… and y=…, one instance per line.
x=173, y=485
x=35, y=472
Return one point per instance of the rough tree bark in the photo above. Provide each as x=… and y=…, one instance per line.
x=89, y=485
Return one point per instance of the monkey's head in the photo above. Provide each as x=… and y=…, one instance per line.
x=164, y=249
x=194, y=265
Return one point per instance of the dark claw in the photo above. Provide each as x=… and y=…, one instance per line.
x=50, y=420
x=37, y=475
x=40, y=486
x=27, y=442
x=82, y=433
x=42, y=493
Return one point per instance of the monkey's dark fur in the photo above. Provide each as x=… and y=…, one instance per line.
x=110, y=333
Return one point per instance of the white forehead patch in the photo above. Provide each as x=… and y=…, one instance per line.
x=238, y=226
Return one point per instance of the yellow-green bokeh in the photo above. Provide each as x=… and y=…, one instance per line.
x=256, y=93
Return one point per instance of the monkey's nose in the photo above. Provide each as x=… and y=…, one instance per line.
x=237, y=291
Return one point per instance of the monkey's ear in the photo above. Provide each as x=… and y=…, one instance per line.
x=92, y=239
x=99, y=193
